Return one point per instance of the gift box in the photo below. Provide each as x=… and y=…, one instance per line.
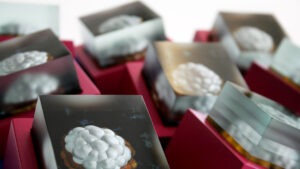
x=87, y=86
x=95, y=131
x=20, y=153
x=121, y=34
x=196, y=144
x=24, y=18
x=182, y=76
x=248, y=37
x=38, y=64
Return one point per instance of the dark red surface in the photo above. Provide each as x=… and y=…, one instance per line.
x=267, y=83
x=138, y=86
x=196, y=145
x=20, y=152
x=86, y=85
x=106, y=79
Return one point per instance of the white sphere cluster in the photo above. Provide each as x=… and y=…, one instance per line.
x=97, y=148
x=253, y=39
x=196, y=79
x=125, y=47
x=119, y=22
x=21, y=61
x=29, y=86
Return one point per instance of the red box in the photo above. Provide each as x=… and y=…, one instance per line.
x=86, y=85
x=197, y=145
x=261, y=80
x=202, y=36
x=20, y=152
x=106, y=79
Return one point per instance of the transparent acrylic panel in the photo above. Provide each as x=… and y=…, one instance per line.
x=23, y=79
x=260, y=126
x=162, y=61
x=126, y=116
x=121, y=45
x=286, y=61
x=25, y=18
x=228, y=23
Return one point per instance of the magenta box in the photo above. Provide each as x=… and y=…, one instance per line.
x=197, y=145
x=20, y=152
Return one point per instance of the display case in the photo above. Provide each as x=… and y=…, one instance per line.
x=260, y=129
x=95, y=131
x=33, y=65
x=248, y=37
x=121, y=34
x=182, y=76
x=246, y=130
x=25, y=18
x=87, y=86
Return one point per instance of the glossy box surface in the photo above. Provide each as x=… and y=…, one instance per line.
x=228, y=23
x=58, y=71
x=163, y=58
x=101, y=45
x=125, y=115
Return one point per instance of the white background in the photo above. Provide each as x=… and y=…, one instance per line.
x=181, y=17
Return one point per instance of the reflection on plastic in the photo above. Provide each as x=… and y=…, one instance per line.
x=28, y=87
x=260, y=129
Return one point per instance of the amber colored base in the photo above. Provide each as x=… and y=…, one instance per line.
x=68, y=159
x=239, y=148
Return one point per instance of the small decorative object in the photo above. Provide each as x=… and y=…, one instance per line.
x=253, y=39
x=248, y=37
x=119, y=22
x=182, y=76
x=260, y=129
x=95, y=132
x=121, y=34
x=94, y=147
x=33, y=65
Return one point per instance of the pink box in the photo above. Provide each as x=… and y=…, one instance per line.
x=202, y=36
x=106, y=79
x=20, y=153
x=197, y=145
x=267, y=83
x=86, y=85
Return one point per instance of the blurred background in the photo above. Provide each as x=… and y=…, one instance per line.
x=182, y=17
